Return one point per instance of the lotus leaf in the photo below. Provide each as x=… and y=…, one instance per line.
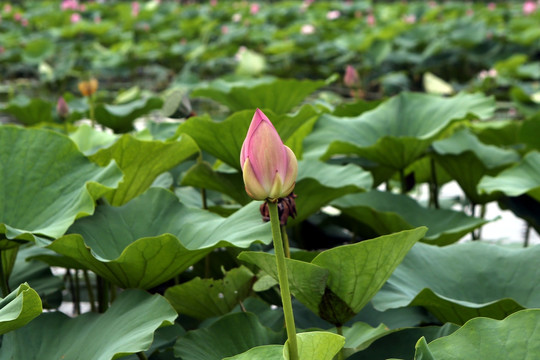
x=522, y=178
x=516, y=337
x=398, y=131
x=126, y=327
x=385, y=212
x=42, y=196
x=280, y=95
x=459, y=282
x=154, y=237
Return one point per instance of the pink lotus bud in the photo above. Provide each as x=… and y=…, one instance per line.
x=254, y=8
x=268, y=166
x=135, y=8
x=333, y=15
x=529, y=7
x=17, y=16
x=75, y=18
x=62, y=108
x=351, y=78
x=370, y=19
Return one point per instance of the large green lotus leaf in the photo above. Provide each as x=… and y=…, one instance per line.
x=280, y=95
x=517, y=180
x=120, y=118
x=319, y=183
x=224, y=139
x=400, y=343
x=126, y=327
x=516, y=337
x=355, y=273
x=46, y=183
x=202, y=175
x=19, y=308
x=398, y=131
x=358, y=271
x=29, y=111
x=480, y=159
x=204, y=298
x=155, y=237
x=306, y=281
x=385, y=212
x=142, y=162
x=230, y=335
x=315, y=345
x=90, y=140
x=459, y=282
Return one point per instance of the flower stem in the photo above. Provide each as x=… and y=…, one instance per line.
x=339, y=331
x=285, y=242
x=283, y=281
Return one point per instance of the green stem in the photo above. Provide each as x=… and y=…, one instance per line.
x=142, y=356
x=103, y=294
x=77, y=297
x=283, y=281
x=473, y=212
x=527, y=235
x=340, y=355
x=403, y=181
x=434, y=186
x=285, y=242
x=91, y=101
x=91, y=298
x=3, y=281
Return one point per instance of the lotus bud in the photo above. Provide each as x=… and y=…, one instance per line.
x=269, y=167
x=62, y=108
x=351, y=78
x=88, y=88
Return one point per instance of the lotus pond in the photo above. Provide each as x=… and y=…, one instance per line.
x=126, y=231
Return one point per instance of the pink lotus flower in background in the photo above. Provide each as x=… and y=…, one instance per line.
x=75, y=18
x=82, y=7
x=269, y=167
x=213, y=2
x=491, y=6
x=224, y=30
x=307, y=29
x=333, y=15
x=135, y=9
x=17, y=16
x=24, y=22
x=62, y=108
x=7, y=8
x=97, y=19
x=529, y=7
x=470, y=12
x=370, y=19
x=254, y=8
x=69, y=5
x=410, y=19
x=351, y=77
x=2, y=50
